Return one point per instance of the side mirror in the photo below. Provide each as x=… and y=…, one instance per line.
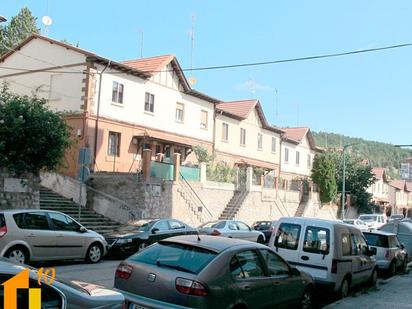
x=82, y=229
x=402, y=246
x=154, y=230
x=294, y=272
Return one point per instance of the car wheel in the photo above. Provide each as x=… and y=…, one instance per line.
x=18, y=255
x=142, y=245
x=306, y=302
x=374, y=278
x=94, y=253
x=260, y=239
x=344, y=288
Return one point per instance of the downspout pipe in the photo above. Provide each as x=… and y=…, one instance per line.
x=96, y=127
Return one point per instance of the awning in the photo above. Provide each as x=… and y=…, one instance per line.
x=257, y=163
x=165, y=137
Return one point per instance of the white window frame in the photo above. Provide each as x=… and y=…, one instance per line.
x=149, y=101
x=297, y=158
x=204, y=125
x=111, y=151
x=225, y=132
x=260, y=141
x=242, y=137
x=117, y=92
x=273, y=144
x=180, y=112
x=286, y=159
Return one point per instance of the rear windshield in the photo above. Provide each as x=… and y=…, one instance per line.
x=215, y=224
x=176, y=256
x=262, y=225
x=2, y=220
x=368, y=218
x=377, y=240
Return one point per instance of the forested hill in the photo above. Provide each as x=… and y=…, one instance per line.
x=378, y=154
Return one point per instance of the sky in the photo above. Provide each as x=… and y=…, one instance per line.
x=365, y=95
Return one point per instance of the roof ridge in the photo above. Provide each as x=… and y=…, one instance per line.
x=148, y=58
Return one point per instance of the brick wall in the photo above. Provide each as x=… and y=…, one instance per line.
x=19, y=193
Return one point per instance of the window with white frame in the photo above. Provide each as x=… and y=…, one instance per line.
x=297, y=158
x=114, y=144
x=149, y=102
x=117, y=92
x=273, y=144
x=309, y=162
x=203, y=119
x=286, y=155
x=259, y=141
x=180, y=111
x=225, y=132
x=242, y=137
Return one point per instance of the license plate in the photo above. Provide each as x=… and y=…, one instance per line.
x=134, y=306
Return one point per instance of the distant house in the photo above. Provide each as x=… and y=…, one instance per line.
x=399, y=192
x=379, y=189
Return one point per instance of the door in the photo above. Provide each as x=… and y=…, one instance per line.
x=250, y=281
x=287, y=242
x=37, y=232
x=161, y=231
x=314, y=256
x=244, y=231
x=362, y=264
x=70, y=242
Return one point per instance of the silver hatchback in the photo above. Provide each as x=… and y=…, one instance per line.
x=40, y=235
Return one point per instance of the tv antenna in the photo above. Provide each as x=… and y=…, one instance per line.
x=141, y=42
x=192, y=79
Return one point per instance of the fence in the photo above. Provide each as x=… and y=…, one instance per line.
x=161, y=170
x=190, y=173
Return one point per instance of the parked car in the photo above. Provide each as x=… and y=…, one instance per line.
x=334, y=253
x=61, y=294
x=390, y=254
x=266, y=227
x=232, y=229
x=358, y=223
x=40, y=235
x=373, y=221
x=396, y=218
x=403, y=230
x=211, y=272
x=129, y=239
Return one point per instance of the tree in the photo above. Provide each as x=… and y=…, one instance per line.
x=324, y=175
x=20, y=27
x=31, y=136
x=202, y=155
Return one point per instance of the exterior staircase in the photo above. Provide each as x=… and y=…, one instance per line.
x=234, y=205
x=302, y=205
x=90, y=219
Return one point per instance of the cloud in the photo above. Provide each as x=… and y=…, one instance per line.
x=254, y=86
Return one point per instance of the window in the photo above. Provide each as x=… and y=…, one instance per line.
x=242, y=226
x=149, y=102
x=174, y=225
x=286, y=155
x=246, y=265
x=180, y=109
x=32, y=221
x=242, y=137
x=203, y=119
x=225, y=132
x=274, y=263
x=259, y=141
x=297, y=157
x=309, y=163
x=63, y=223
x=117, y=93
x=273, y=144
x=288, y=236
x=346, y=245
x=377, y=240
x=114, y=144
x=358, y=244
x=316, y=240
x=162, y=225
x=232, y=226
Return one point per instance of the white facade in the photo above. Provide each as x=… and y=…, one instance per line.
x=291, y=164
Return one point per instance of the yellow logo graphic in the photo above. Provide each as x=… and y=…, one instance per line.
x=21, y=281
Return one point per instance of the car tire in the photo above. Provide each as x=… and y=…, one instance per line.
x=344, y=288
x=260, y=239
x=306, y=302
x=18, y=254
x=94, y=253
x=374, y=278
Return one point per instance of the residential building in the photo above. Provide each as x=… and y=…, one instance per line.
x=399, y=192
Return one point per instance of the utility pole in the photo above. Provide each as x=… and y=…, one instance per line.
x=344, y=179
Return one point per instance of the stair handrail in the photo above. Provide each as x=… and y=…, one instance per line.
x=193, y=192
x=283, y=206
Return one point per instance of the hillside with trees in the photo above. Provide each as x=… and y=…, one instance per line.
x=378, y=154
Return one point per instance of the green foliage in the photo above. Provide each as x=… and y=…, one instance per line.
x=324, y=175
x=378, y=154
x=202, y=155
x=20, y=27
x=220, y=172
x=31, y=136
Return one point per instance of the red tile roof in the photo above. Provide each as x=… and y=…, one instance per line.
x=240, y=109
x=409, y=186
x=379, y=172
x=398, y=184
x=296, y=134
x=150, y=65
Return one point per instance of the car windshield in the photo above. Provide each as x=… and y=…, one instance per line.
x=368, y=218
x=214, y=224
x=349, y=221
x=143, y=226
x=181, y=257
x=261, y=225
x=377, y=240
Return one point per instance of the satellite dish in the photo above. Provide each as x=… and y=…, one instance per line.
x=46, y=20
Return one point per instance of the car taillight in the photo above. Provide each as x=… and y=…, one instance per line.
x=334, y=268
x=124, y=271
x=215, y=233
x=190, y=287
x=3, y=230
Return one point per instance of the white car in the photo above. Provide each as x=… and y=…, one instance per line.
x=232, y=229
x=358, y=223
x=373, y=221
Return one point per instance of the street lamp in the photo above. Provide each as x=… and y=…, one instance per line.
x=343, y=179
x=2, y=19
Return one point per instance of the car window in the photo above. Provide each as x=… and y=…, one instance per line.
x=232, y=226
x=250, y=265
x=62, y=222
x=276, y=266
x=393, y=242
x=242, y=226
x=175, y=225
x=346, y=245
x=162, y=225
x=359, y=245
x=316, y=240
x=32, y=221
x=215, y=224
x=287, y=236
x=368, y=218
x=181, y=257
x=261, y=225
x=376, y=240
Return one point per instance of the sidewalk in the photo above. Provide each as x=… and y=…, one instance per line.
x=394, y=292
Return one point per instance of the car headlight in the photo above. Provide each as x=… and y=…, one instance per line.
x=123, y=241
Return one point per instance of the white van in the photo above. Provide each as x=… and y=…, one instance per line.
x=334, y=253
